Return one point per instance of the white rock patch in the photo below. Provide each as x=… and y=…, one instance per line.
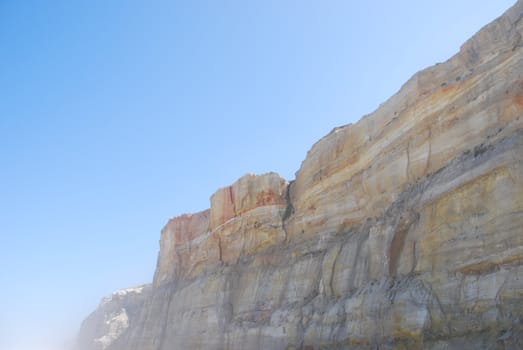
x=116, y=323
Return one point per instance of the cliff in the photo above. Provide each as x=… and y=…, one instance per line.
x=112, y=318
x=401, y=231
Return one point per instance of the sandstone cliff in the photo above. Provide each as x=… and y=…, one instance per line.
x=112, y=318
x=402, y=231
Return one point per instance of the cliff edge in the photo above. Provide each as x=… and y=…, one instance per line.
x=401, y=231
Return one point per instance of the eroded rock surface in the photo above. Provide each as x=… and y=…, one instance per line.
x=112, y=318
x=402, y=231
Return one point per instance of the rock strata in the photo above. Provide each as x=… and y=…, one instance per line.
x=402, y=231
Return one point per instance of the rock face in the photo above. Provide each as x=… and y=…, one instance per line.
x=402, y=231
x=112, y=318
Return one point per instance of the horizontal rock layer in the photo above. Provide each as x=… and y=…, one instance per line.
x=402, y=231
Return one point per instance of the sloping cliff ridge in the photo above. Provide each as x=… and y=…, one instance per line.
x=402, y=231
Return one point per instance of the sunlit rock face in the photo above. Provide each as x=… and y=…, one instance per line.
x=402, y=231
x=244, y=218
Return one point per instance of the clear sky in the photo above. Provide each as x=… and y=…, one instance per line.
x=116, y=115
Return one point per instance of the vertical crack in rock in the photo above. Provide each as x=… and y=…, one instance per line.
x=220, y=251
x=231, y=198
x=429, y=155
x=332, y=271
x=289, y=209
x=397, y=244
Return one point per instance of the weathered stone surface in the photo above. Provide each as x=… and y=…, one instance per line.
x=249, y=192
x=402, y=231
x=185, y=247
x=111, y=319
x=241, y=221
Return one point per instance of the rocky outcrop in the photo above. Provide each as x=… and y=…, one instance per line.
x=111, y=319
x=241, y=222
x=402, y=231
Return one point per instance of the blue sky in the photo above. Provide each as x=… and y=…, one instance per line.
x=116, y=115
